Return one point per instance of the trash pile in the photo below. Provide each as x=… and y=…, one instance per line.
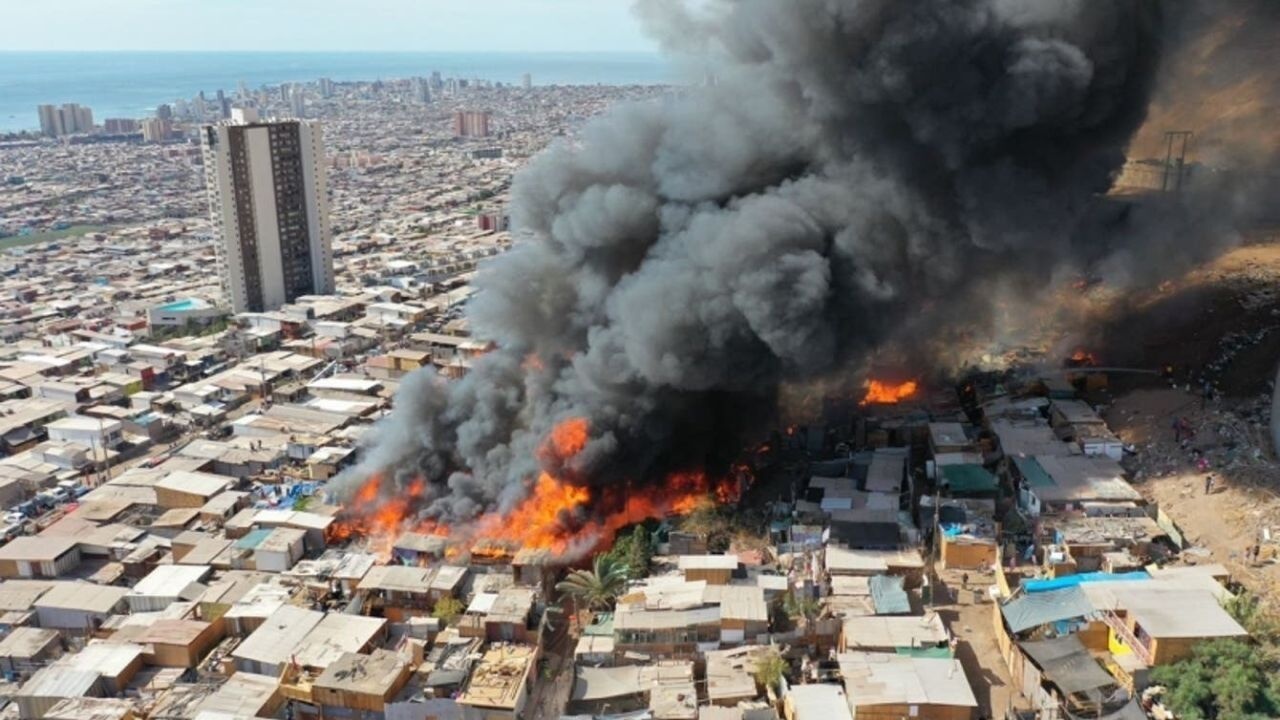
x=1229, y=437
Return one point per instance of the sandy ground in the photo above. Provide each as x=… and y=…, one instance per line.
x=967, y=613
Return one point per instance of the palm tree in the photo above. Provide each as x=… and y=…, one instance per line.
x=598, y=587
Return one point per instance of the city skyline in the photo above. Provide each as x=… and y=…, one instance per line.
x=332, y=26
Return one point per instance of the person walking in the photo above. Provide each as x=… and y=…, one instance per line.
x=1208, y=484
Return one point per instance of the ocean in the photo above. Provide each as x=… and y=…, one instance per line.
x=132, y=84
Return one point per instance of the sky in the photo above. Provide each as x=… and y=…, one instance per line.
x=324, y=25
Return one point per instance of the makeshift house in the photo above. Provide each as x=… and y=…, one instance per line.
x=279, y=549
x=266, y=651
x=890, y=686
x=504, y=616
x=967, y=533
x=360, y=684
x=500, y=682
x=924, y=636
x=662, y=689
x=817, y=702
x=25, y=650
x=906, y=563
x=167, y=584
x=244, y=695
x=115, y=663
x=1061, y=673
x=179, y=643
x=49, y=686
x=1051, y=484
x=39, y=557
x=714, y=569
x=335, y=635
x=79, y=608
x=1160, y=622
x=731, y=674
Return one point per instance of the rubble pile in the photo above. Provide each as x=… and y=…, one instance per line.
x=1224, y=437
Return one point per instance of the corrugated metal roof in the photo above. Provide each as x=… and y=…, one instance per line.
x=1034, y=609
x=888, y=595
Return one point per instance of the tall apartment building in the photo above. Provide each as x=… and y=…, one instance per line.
x=68, y=119
x=471, y=124
x=269, y=198
x=156, y=130
x=119, y=126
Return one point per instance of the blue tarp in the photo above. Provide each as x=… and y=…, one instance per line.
x=1028, y=611
x=1034, y=586
x=888, y=595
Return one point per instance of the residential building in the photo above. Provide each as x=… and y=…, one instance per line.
x=268, y=197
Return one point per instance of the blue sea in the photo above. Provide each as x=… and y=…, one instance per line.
x=132, y=84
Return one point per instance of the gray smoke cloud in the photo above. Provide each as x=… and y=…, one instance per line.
x=856, y=173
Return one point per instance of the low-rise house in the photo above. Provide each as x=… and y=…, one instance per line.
x=360, y=685
x=816, y=702
x=166, y=585
x=39, y=557
x=79, y=608
x=411, y=591
x=924, y=635
x=731, y=674
x=243, y=695
x=335, y=635
x=179, y=643
x=279, y=549
x=26, y=649
x=504, y=616
x=97, y=433
x=1160, y=622
x=184, y=489
x=270, y=646
x=714, y=569
x=50, y=686
x=116, y=663
x=890, y=686
x=500, y=683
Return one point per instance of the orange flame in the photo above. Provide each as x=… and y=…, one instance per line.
x=885, y=393
x=1083, y=358
x=556, y=516
x=568, y=438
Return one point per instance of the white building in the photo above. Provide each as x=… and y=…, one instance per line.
x=87, y=432
x=269, y=197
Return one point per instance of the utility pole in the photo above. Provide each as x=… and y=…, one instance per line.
x=1172, y=165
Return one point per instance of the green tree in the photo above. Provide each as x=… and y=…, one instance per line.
x=1225, y=679
x=598, y=587
x=447, y=609
x=634, y=551
x=799, y=607
x=770, y=669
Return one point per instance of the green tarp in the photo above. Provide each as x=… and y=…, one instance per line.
x=1032, y=472
x=969, y=479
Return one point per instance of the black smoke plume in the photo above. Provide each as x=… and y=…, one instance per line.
x=859, y=172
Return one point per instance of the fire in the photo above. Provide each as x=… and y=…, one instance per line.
x=568, y=438
x=880, y=392
x=1082, y=358
x=556, y=515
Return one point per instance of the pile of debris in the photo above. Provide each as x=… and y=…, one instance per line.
x=1229, y=437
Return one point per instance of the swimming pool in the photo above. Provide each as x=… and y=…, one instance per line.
x=179, y=306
